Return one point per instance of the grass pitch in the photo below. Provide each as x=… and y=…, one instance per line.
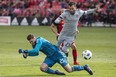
x=101, y=41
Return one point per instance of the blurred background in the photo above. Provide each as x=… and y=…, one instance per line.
x=41, y=12
x=18, y=18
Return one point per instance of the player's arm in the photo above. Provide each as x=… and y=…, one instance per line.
x=58, y=20
x=36, y=49
x=89, y=11
x=93, y=10
x=61, y=17
x=53, y=28
x=77, y=31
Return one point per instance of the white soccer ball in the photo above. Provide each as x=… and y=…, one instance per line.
x=87, y=54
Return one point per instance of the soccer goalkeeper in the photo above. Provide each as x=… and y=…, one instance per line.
x=53, y=55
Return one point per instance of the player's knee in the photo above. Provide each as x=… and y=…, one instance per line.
x=73, y=47
x=68, y=68
x=69, y=71
x=43, y=69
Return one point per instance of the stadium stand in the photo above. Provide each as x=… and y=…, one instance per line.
x=48, y=8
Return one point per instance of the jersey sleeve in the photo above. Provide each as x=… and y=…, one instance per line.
x=36, y=49
x=81, y=12
x=53, y=20
x=86, y=12
x=89, y=11
x=62, y=16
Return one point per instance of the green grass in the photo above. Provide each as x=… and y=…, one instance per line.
x=101, y=41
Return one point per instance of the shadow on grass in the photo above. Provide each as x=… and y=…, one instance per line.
x=84, y=75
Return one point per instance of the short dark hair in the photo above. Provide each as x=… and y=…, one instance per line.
x=72, y=3
x=30, y=36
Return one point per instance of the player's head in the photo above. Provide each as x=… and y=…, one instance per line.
x=72, y=7
x=31, y=38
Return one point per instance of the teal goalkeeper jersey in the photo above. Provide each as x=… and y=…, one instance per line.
x=44, y=46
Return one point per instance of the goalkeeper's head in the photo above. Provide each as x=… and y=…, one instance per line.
x=32, y=39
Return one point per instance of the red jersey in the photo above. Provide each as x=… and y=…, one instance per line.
x=60, y=26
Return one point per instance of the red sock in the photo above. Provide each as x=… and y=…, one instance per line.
x=74, y=53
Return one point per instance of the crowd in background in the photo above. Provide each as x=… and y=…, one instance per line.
x=49, y=8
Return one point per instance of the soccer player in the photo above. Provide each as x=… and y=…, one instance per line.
x=53, y=55
x=57, y=32
x=71, y=17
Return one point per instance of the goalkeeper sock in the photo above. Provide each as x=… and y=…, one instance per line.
x=77, y=68
x=50, y=71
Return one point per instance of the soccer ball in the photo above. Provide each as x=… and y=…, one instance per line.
x=87, y=54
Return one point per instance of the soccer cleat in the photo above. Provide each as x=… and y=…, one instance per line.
x=87, y=68
x=59, y=73
x=76, y=63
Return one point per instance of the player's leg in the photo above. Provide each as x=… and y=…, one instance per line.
x=60, y=43
x=65, y=47
x=70, y=69
x=74, y=53
x=66, y=44
x=60, y=40
x=62, y=60
x=45, y=67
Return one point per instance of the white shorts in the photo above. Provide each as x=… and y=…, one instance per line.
x=65, y=42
